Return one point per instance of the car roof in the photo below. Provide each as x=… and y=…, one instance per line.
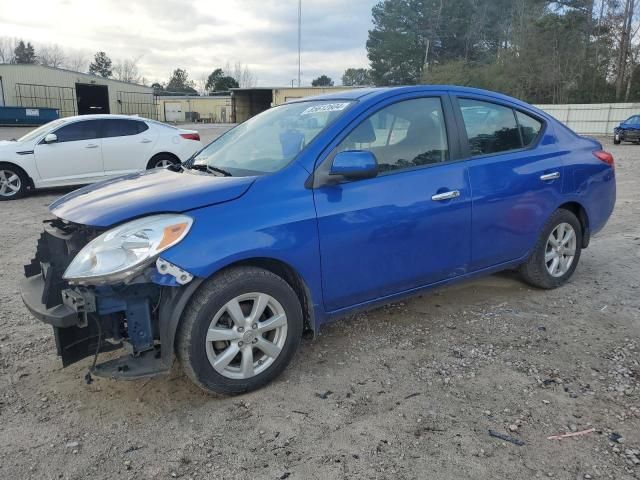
x=382, y=92
x=99, y=116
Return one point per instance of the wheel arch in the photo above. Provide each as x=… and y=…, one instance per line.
x=289, y=275
x=31, y=185
x=581, y=213
x=169, y=154
x=174, y=303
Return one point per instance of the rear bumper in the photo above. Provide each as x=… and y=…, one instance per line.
x=60, y=316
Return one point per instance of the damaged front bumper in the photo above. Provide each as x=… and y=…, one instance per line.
x=141, y=316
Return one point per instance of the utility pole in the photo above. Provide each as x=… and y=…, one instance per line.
x=299, y=36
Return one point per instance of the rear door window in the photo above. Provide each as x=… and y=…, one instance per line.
x=83, y=130
x=122, y=128
x=491, y=128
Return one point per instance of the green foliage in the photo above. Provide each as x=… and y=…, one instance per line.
x=396, y=45
x=356, y=77
x=219, y=82
x=540, y=50
x=24, y=53
x=179, y=83
x=322, y=81
x=101, y=65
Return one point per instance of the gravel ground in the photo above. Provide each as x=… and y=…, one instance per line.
x=408, y=391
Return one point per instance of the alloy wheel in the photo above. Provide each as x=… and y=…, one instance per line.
x=560, y=250
x=10, y=183
x=246, y=335
x=163, y=163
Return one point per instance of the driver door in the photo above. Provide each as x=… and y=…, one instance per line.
x=405, y=228
x=74, y=158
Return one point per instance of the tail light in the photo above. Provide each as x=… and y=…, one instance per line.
x=606, y=157
x=191, y=136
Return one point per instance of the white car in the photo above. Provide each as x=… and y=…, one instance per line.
x=89, y=148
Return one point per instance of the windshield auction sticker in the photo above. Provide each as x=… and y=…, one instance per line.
x=327, y=107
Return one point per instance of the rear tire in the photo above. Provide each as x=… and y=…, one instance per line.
x=240, y=331
x=557, y=252
x=13, y=182
x=162, y=160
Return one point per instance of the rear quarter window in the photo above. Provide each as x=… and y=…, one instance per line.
x=529, y=128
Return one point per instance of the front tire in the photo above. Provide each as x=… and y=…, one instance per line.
x=616, y=139
x=13, y=182
x=240, y=331
x=162, y=160
x=557, y=252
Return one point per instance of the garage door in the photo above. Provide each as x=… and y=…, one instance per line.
x=173, y=112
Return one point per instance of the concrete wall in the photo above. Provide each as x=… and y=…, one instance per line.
x=211, y=109
x=45, y=83
x=594, y=118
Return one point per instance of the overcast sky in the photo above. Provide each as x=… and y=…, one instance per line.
x=200, y=35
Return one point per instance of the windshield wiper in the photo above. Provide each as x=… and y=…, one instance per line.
x=208, y=168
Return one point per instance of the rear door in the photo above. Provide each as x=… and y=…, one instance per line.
x=76, y=157
x=126, y=145
x=405, y=228
x=515, y=171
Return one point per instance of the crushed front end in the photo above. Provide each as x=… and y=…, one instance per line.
x=138, y=314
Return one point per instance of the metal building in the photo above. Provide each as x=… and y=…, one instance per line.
x=209, y=109
x=247, y=102
x=72, y=93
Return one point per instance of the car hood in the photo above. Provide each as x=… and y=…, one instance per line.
x=10, y=145
x=156, y=191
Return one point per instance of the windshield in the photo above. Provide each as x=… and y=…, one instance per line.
x=269, y=141
x=40, y=130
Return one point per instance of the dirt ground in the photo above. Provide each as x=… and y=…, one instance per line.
x=408, y=391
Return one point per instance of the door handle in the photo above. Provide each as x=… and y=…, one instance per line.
x=91, y=145
x=439, y=197
x=549, y=176
x=146, y=140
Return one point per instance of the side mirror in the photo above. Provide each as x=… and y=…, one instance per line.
x=51, y=138
x=354, y=165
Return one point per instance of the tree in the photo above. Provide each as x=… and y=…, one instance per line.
x=127, y=70
x=51, y=56
x=180, y=83
x=7, y=47
x=24, y=53
x=396, y=47
x=101, y=65
x=76, y=61
x=356, y=76
x=242, y=74
x=322, y=81
x=219, y=82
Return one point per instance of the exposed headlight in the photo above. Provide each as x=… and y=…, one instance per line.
x=124, y=251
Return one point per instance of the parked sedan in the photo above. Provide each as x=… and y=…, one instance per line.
x=88, y=148
x=308, y=212
x=627, y=131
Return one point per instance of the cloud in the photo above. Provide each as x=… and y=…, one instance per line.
x=200, y=35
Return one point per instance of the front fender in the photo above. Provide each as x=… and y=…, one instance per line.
x=274, y=220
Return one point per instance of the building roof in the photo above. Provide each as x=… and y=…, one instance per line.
x=192, y=97
x=90, y=75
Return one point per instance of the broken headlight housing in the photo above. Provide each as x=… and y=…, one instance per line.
x=122, y=252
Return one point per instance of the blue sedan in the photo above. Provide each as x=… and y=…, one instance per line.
x=627, y=131
x=308, y=212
